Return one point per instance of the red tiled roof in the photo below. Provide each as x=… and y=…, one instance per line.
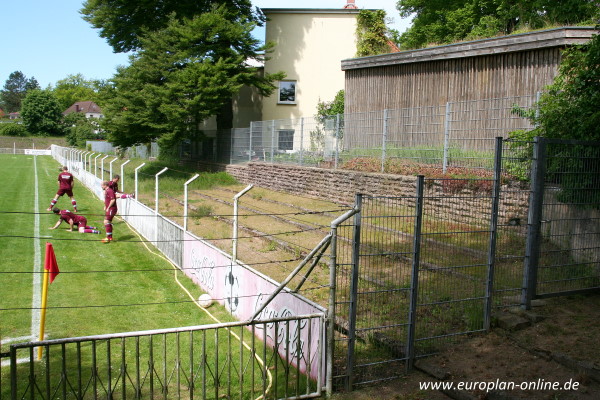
x=83, y=107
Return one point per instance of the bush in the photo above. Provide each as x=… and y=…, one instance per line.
x=12, y=129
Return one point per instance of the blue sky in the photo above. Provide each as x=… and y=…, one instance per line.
x=49, y=40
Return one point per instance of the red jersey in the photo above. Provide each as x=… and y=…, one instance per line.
x=65, y=180
x=67, y=215
x=109, y=194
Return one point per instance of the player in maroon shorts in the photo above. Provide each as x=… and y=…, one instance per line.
x=65, y=185
x=114, y=185
x=110, y=209
x=73, y=220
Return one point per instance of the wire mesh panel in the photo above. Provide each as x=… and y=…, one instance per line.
x=454, y=262
x=474, y=125
x=569, y=225
x=240, y=145
x=374, y=291
x=512, y=222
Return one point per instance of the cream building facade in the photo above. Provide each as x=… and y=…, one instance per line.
x=309, y=47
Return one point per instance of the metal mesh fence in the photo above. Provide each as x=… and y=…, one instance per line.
x=568, y=230
x=458, y=134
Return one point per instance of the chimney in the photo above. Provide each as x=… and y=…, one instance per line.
x=76, y=107
x=350, y=5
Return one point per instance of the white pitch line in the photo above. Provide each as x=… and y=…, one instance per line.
x=37, y=262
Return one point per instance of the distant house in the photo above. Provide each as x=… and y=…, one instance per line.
x=89, y=108
x=2, y=113
x=14, y=115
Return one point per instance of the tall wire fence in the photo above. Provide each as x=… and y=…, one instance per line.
x=457, y=134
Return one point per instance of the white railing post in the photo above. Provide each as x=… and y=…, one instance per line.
x=91, y=153
x=185, y=201
x=110, y=167
x=96, y=165
x=102, y=167
x=136, y=179
x=235, y=222
x=156, y=205
x=122, y=179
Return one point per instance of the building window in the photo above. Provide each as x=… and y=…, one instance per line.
x=286, y=139
x=287, y=92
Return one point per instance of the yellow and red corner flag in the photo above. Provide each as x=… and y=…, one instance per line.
x=51, y=267
x=50, y=263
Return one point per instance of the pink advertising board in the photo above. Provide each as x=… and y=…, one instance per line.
x=243, y=290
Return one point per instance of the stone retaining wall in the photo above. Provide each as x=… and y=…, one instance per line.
x=341, y=186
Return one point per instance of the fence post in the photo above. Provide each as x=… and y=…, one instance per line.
x=122, y=176
x=110, y=168
x=272, y=140
x=136, y=180
x=446, y=137
x=185, y=201
x=102, y=167
x=384, y=139
x=353, y=293
x=156, y=205
x=330, y=334
x=337, y=140
x=493, y=234
x=414, y=276
x=250, y=142
x=534, y=218
x=96, y=165
x=301, y=140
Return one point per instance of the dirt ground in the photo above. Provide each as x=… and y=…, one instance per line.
x=560, y=345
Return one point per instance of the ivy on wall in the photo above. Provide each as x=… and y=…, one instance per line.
x=371, y=33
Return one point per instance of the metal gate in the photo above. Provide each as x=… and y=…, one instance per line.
x=563, y=242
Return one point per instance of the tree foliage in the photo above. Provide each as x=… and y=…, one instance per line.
x=124, y=22
x=570, y=108
x=182, y=75
x=42, y=114
x=78, y=129
x=76, y=88
x=439, y=22
x=15, y=89
x=371, y=33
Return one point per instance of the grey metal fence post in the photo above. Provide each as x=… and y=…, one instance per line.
x=337, y=140
x=414, y=277
x=301, y=140
x=272, y=140
x=250, y=142
x=353, y=292
x=446, y=137
x=534, y=218
x=493, y=234
x=330, y=340
x=384, y=139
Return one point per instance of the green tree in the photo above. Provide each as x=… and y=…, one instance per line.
x=41, y=113
x=439, y=22
x=76, y=88
x=371, y=33
x=182, y=75
x=78, y=129
x=15, y=89
x=124, y=22
x=570, y=108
